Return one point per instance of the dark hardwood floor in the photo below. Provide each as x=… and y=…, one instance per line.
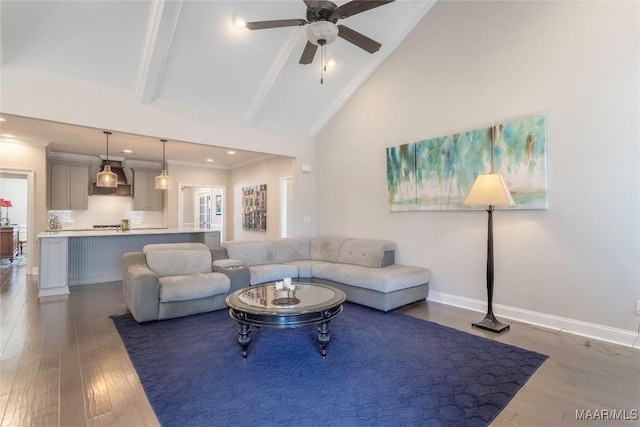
x=63, y=364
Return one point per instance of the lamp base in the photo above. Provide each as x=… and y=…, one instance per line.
x=490, y=323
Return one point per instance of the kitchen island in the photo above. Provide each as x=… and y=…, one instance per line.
x=82, y=257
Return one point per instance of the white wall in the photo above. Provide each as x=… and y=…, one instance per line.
x=471, y=64
x=265, y=172
x=14, y=190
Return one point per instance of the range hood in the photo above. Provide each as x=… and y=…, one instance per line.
x=123, y=188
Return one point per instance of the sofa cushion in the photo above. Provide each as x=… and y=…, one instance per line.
x=326, y=248
x=305, y=267
x=386, y=279
x=252, y=252
x=271, y=272
x=364, y=252
x=175, y=259
x=193, y=286
x=291, y=249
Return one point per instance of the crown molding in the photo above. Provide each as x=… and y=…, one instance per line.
x=32, y=142
x=74, y=157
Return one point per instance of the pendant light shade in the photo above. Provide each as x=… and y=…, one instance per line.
x=106, y=178
x=163, y=181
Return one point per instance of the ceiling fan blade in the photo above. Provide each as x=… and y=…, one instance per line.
x=308, y=53
x=358, y=39
x=261, y=25
x=358, y=6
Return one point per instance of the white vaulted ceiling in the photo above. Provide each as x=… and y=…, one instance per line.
x=190, y=53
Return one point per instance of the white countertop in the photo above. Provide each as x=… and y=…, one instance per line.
x=133, y=231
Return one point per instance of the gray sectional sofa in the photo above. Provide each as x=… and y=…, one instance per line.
x=179, y=279
x=363, y=268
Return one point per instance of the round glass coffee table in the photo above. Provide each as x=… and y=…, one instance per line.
x=265, y=305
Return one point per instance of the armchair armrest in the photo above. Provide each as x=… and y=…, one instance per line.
x=141, y=287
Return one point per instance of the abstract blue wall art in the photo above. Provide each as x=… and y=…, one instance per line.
x=437, y=173
x=520, y=155
x=401, y=177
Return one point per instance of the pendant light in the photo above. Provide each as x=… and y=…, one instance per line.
x=106, y=178
x=163, y=181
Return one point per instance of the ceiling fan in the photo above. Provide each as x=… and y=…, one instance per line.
x=322, y=16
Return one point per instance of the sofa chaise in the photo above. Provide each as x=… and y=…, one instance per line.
x=364, y=269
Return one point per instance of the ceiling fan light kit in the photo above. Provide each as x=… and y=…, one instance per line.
x=324, y=31
x=322, y=17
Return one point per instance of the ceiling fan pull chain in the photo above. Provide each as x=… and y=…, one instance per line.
x=323, y=48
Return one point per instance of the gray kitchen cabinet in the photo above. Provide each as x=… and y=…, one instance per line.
x=68, y=187
x=145, y=195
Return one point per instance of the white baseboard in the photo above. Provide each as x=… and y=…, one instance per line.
x=51, y=292
x=577, y=327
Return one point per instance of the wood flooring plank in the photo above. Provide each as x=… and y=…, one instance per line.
x=72, y=402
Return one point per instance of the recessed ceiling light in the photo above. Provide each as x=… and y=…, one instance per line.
x=127, y=152
x=239, y=22
x=231, y=152
x=2, y=120
x=6, y=135
x=209, y=160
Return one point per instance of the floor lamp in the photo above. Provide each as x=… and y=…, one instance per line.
x=489, y=189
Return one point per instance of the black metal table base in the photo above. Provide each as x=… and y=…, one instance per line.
x=313, y=305
x=244, y=339
x=322, y=319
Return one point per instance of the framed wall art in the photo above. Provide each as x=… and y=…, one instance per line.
x=218, y=204
x=254, y=208
x=437, y=173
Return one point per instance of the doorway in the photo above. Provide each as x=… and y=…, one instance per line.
x=201, y=206
x=286, y=202
x=18, y=185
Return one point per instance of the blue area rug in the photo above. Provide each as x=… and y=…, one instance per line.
x=381, y=369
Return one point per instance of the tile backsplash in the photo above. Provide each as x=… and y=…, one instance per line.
x=108, y=210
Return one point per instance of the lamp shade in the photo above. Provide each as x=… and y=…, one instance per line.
x=5, y=203
x=489, y=189
x=107, y=178
x=163, y=181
